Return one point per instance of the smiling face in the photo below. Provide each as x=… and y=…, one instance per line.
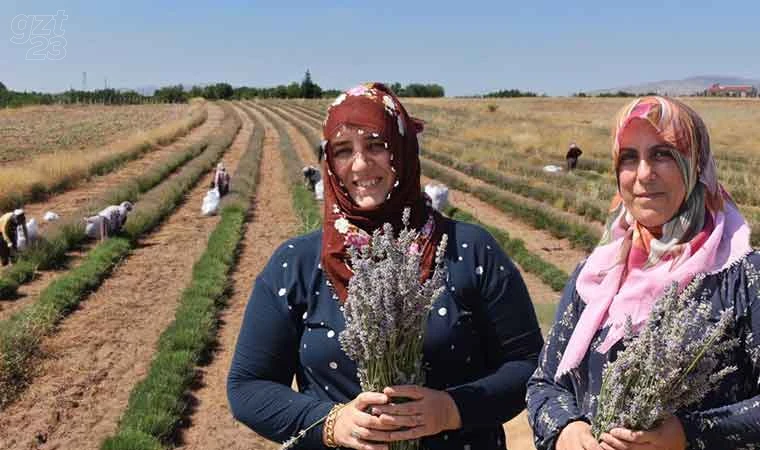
x=362, y=162
x=651, y=182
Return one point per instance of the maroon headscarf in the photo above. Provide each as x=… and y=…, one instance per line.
x=374, y=108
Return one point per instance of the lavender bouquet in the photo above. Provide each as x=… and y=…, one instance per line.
x=671, y=363
x=387, y=310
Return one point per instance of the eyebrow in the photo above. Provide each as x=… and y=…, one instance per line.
x=341, y=142
x=663, y=146
x=349, y=141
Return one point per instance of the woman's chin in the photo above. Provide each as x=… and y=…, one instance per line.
x=650, y=219
x=368, y=201
x=368, y=198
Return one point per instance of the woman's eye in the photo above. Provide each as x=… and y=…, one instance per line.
x=628, y=156
x=662, y=155
x=377, y=146
x=342, y=152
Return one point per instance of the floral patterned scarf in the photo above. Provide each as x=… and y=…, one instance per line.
x=631, y=267
x=374, y=109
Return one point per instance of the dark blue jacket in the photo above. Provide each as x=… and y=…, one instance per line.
x=482, y=344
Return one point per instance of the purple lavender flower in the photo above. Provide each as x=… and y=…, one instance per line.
x=387, y=309
x=671, y=364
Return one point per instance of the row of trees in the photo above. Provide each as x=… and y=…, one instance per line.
x=418, y=90
x=218, y=91
x=508, y=93
x=14, y=99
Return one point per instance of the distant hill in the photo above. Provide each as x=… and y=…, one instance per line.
x=687, y=86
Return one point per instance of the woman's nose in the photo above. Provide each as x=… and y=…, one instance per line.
x=645, y=171
x=360, y=161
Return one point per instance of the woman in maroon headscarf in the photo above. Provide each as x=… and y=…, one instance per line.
x=482, y=338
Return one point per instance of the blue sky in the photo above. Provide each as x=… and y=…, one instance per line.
x=469, y=47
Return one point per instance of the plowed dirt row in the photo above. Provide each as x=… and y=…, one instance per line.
x=94, y=359
x=74, y=199
x=211, y=426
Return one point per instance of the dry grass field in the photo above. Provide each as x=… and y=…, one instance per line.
x=135, y=130
x=26, y=133
x=546, y=126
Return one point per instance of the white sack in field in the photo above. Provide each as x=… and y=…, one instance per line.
x=210, y=204
x=439, y=195
x=32, y=231
x=319, y=190
x=94, y=227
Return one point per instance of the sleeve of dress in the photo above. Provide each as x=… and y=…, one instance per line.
x=512, y=339
x=263, y=366
x=551, y=403
x=735, y=426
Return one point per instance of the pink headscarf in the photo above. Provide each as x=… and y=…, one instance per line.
x=630, y=269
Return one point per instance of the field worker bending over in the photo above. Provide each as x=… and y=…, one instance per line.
x=108, y=221
x=311, y=176
x=573, y=153
x=221, y=180
x=9, y=225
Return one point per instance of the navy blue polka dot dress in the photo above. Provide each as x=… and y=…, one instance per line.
x=481, y=346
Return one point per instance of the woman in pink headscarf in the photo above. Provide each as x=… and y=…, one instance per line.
x=669, y=221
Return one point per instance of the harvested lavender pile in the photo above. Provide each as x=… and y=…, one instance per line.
x=671, y=364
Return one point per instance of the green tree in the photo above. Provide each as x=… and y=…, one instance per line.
x=309, y=89
x=195, y=91
x=294, y=90
x=171, y=94
x=396, y=88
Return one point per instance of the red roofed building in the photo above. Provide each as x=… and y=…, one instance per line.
x=716, y=90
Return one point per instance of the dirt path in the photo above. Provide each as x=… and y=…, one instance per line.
x=295, y=112
x=28, y=293
x=306, y=111
x=211, y=424
x=564, y=215
x=540, y=242
x=539, y=291
x=102, y=350
x=301, y=144
x=73, y=200
x=302, y=117
x=519, y=433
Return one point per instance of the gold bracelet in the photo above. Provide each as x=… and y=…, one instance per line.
x=332, y=416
